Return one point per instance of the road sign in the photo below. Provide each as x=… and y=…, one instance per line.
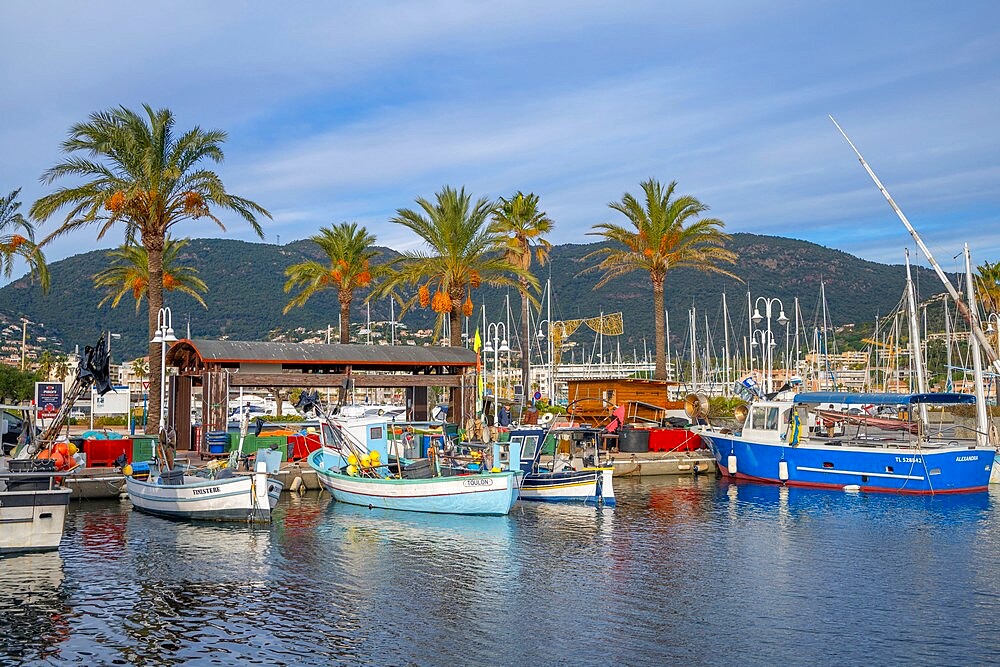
x=538, y=395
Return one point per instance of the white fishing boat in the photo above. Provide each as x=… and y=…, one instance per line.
x=205, y=494
x=32, y=508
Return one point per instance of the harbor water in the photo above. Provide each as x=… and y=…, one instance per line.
x=682, y=571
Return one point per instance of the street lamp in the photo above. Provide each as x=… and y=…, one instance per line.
x=756, y=318
x=496, y=344
x=164, y=335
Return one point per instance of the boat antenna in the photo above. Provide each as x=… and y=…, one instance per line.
x=962, y=307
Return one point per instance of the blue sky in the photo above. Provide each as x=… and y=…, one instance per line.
x=348, y=111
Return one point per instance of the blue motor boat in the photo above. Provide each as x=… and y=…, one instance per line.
x=796, y=442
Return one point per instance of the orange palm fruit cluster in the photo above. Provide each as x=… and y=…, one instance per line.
x=425, y=296
x=115, y=202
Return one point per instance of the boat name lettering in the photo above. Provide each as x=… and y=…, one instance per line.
x=967, y=458
x=478, y=482
x=201, y=492
x=908, y=459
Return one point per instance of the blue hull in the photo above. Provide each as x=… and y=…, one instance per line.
x=928, y=471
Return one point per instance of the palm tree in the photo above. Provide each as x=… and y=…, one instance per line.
x=129, y=274
x=522, y=225
x=664, y=233
x=987, y=281
x=19, y=245
x=349, y=251
x=137, y=172
x=464, y=253
x=46, y=363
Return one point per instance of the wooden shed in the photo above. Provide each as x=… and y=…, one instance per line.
x=644, y=400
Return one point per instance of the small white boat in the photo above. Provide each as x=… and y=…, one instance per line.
x=182, y=494
x=32, y=510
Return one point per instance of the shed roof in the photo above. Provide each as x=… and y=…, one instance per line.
x=400, y=356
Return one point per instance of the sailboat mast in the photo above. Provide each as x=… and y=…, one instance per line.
x=982, y=419
x=962, y=307
x=725, y=352
x=918, y=362
x=694, y=349
x=670, y=365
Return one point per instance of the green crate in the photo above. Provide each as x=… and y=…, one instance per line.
x=142, y=447
x=280, y=442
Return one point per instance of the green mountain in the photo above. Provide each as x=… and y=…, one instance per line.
x=246, y=298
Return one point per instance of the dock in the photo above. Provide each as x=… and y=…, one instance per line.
x=648, y=464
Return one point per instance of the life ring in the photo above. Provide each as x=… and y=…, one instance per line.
x=546, y=418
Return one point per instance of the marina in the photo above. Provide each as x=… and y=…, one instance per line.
x=472, y=334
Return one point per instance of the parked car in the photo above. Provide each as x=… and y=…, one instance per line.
x=11, y=429
x=77, y=414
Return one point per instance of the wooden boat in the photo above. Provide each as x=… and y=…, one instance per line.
x=204, y=494
x=569, y=470
x=32, y=508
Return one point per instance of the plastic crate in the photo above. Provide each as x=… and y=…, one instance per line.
x=301, y=445
x=102, y=453
x=142, y=447
x=278, y=442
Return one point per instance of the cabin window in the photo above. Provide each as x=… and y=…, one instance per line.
x=757, y=418
x=517, y=439
x=530, y=444
x=772, y=419
x=375, y=433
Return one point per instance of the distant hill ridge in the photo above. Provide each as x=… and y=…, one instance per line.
x=245, y=297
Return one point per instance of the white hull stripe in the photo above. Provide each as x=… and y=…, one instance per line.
x=858, y=472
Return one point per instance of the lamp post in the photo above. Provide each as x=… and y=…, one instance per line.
x=164, y=335
x=756, y=318
x=765, y=341
x=24, y=338
x=496, y=343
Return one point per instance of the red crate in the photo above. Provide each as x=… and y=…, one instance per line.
x=102, y=453
x=673, y=440
x=301, y=446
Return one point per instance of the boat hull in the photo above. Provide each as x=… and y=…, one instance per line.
x=231, y=499
x=32, y=520
x=590, y=485
x=489, y=494
x=896, y=470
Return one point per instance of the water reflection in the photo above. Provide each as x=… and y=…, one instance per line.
x=33, y=607
x=773, y=574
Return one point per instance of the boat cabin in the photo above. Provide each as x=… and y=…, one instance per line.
x=557, y=449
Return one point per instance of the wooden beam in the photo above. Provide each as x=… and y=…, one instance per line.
x=334, y=380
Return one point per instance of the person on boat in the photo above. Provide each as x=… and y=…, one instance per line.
x=617, y=419
x=503, y=416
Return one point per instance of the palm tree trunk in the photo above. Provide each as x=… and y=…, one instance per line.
x=661, y=326
x=345, y=321
x=525, y=340
x=154, y=300
x=455, y=317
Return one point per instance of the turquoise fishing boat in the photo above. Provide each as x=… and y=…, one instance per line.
x=366, y=475
x=492, y=493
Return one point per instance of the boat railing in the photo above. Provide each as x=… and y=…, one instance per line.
x=50, y=479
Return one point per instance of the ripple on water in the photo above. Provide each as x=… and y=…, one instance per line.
x=681, y=571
